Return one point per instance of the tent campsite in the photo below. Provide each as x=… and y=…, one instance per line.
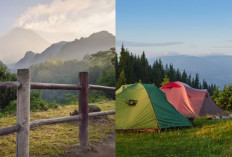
x=191, y=102
x=144, y=106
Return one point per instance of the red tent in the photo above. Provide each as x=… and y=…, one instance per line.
x=189, y=101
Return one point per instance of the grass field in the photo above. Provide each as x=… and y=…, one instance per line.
x=54, y=140
x=211, y=138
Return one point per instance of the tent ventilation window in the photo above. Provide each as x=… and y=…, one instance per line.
x=131, y=102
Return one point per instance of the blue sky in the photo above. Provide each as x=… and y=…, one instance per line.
x=57, y=20
x=191, y=27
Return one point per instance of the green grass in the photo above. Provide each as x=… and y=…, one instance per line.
x=207, y=138
x=54, y=140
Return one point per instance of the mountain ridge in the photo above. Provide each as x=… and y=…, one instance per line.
x=77, y=49
x=213, y=68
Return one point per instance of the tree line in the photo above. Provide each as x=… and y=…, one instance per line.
x=131, y=68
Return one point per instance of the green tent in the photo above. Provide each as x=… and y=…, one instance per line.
x=144, y=106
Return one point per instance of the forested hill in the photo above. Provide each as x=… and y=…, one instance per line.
x=77, y=49
x=215, y=69
x=60, y=71
x=134, y=68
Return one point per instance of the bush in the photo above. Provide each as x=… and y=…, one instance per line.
x=223, y=98
x=71, y=99
x=53, y=104
x=10, y=109
x=93, y=99
x=39, y=105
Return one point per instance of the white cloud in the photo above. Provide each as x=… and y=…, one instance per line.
x=68, y=19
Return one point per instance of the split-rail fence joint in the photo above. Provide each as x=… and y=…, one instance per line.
x=23, y=85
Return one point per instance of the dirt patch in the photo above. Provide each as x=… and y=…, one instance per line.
x=106, y=148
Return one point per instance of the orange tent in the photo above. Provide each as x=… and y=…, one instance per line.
x=191, y=102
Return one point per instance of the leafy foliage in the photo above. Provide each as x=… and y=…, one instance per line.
x=166, y=80
x=71, y=98
x=223, y=98
x=6, y=95
x=37, y=104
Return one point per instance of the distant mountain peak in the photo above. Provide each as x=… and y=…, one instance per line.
x=101, y=34
x=29, y=54
x=77, y=49
x=18, y=41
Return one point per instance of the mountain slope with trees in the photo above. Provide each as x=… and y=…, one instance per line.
x=60, y=71
x=215, y=69
x=134, y=68
x=77, y=49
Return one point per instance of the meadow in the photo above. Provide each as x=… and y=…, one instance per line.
x=56, y=140
x=207, y=138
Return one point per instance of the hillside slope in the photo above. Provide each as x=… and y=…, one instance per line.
x=76, y=49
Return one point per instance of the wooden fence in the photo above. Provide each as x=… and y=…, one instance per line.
x=23, y=125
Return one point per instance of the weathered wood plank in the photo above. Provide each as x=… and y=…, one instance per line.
x=36, y=123
x=96, y=87
x=9, y=130
x=23, y=113
x=36, y=85
x=9, y=85
x=83, y=109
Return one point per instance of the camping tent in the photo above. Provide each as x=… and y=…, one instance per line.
x=144, y=106
x=189, y=101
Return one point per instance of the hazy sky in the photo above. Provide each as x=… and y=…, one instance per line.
x=169, y=27
x=57, y=20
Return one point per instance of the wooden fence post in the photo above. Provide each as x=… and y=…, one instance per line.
x=83, y=109
x=23, y=113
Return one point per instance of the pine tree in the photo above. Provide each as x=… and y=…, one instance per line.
x=184, y=77
x=165, y=80
x=130, y=69
x=178, y=75
x=157, y=72
x=116, y=66
x=189, y=79
x=196, y=81
x=122, y=80
x=171, y=73
x=204, y=85
x=144, y=69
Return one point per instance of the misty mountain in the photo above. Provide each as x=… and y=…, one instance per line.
x=60, y=71
x=31, y=58
x=15, y=43
x=76, y=49
x=214, y=69
x=100, y=41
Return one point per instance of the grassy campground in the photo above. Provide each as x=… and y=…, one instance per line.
x=206, y=138
x=55, y=140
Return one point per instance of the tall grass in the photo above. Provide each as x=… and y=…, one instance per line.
x=206, y=138
x=55, y=140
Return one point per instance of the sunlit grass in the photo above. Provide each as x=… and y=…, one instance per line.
x=53, y=140
x=207, y=138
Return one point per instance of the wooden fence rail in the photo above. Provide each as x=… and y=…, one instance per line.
x=36, y=123
x=23, y=86
x=37, y=85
